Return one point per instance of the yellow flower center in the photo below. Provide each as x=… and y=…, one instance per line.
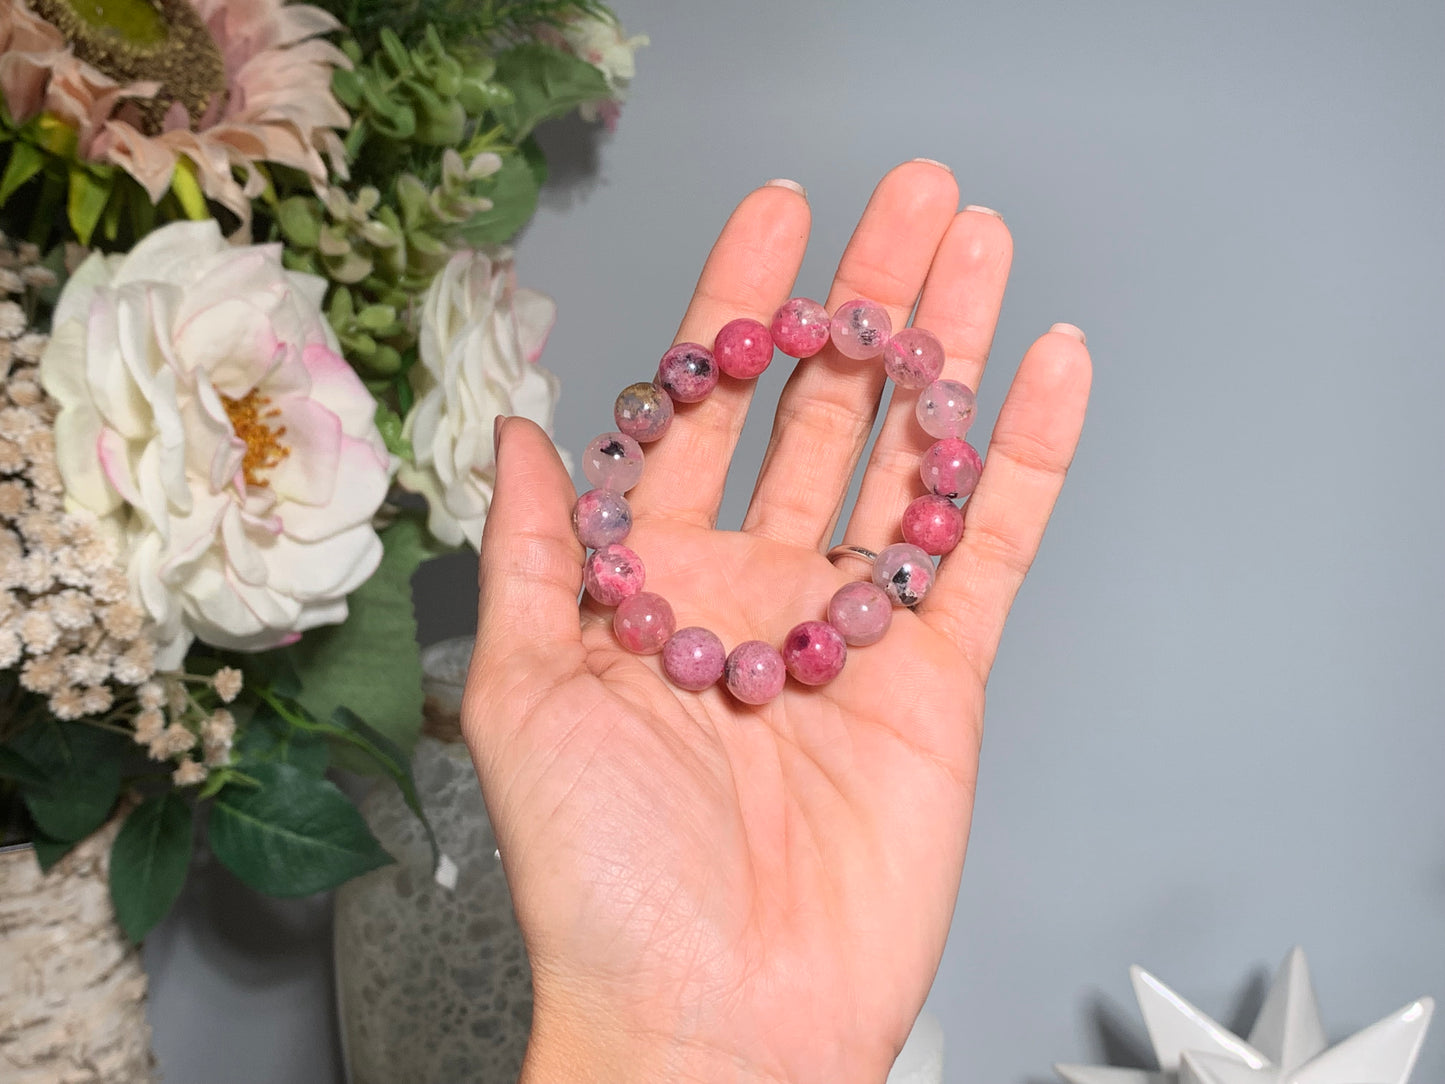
x=162, y=41
x=254, y=420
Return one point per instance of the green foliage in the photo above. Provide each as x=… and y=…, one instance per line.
x=270, y=738
x=291, y=834
x=81, y=770
x=456, y=20
x=545, y=83
x=149, y=861
x=371, y=663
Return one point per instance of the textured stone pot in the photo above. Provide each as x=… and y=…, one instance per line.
x=432, y=982
x=72, y=989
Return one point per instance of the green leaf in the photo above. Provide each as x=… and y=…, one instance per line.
x=148, y=862
x=545, y=83
x=300, y=220
x=16, y=767
x=86, y=201
x=270, y=739
x=513, y=192
x=372, y=661
x=391, y=759
x=50, y=851
x=186, y=186
x=81, y=765
x=25, y=162
x=293, y=835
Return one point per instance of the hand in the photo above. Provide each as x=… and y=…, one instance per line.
x=711, y=891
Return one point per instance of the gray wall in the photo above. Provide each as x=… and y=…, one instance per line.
x=1216, y=725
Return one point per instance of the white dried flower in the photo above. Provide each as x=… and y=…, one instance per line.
x=87, y=669
x=12, y=320
x=12, y=459
x=38, y=573
x=150, y=695
x=14, y=499
x=176, y=698
x=43, y=674
x=10, y=282
x=25, y=393
x=67, y=702
x=174, y=739
x=228, y=684
x=189, y=774
x=136, y=663
x=39, y=277
x=30, y=346
x=148, y=725
x=97, y=698
x=9, y=647
x=70, y=610
x=38, y=631
x=122, y=620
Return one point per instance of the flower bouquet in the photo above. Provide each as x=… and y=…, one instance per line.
x=256, y=323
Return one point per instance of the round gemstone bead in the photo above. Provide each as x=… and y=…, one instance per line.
x=601, y=517
x=932, y=523
x=814, y=652
x=950, y=468
x=861, y=613
x=743, y=348
x=693, y=658
x=800, y=327
x=913, y=358
x=861, y=328
x=643, y=412
x=904, y=572
x=612, y=574
x=687, y=373
x=613, y=461
x=643, y=623
x=754, y=672
x=946, y=408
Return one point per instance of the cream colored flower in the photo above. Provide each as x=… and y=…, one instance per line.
x=209, y=420
x=148, y=725
x=189, y=774
x=480, y=338
x=227, y=681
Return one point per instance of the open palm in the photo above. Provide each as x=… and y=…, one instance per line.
x=713, y=891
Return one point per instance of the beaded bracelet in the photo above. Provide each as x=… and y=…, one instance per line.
x=860, y=612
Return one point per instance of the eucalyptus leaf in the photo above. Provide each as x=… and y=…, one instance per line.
x=292, y=835
x=148, y=862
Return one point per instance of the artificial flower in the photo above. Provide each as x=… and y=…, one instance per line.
x=222, y=84
x=600, y=41
x=480, y=339
x=208, y=419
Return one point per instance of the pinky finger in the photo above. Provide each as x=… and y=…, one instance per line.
x=1033, y=443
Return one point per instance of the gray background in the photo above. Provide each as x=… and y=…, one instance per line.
x=1216, y=724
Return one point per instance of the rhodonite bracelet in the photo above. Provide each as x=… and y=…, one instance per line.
x=860, y=612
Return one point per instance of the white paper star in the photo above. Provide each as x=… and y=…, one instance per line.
x=1287, y=1044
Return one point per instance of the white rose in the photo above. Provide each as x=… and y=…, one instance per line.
x=480, y=338
x=207, y=415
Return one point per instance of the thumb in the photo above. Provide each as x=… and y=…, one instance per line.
x=531, y=565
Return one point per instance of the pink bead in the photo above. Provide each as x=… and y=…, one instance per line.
x=801, y=327
x=612, y=574
x=693, y=658
x=643, y=411
x=932, y=523
x=946, y=408
x=643, y=623
x=687, y=373
x=613, y=461
x=754, y=672
x=743, y=348
x=913, y=358
x=861, y=328
x=601, y=517
x=904, y=572
x=814, y=652
x=861, y=613
x=951, y=468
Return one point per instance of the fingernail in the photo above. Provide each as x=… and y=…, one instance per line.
x=791, y=186
x=497, y=433
x=1069, y=329
x=933, y=162
x=983, y=210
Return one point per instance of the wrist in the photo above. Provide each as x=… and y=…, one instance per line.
x=582, y=1045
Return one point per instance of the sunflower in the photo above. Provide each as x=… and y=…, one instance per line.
x=145, y=84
